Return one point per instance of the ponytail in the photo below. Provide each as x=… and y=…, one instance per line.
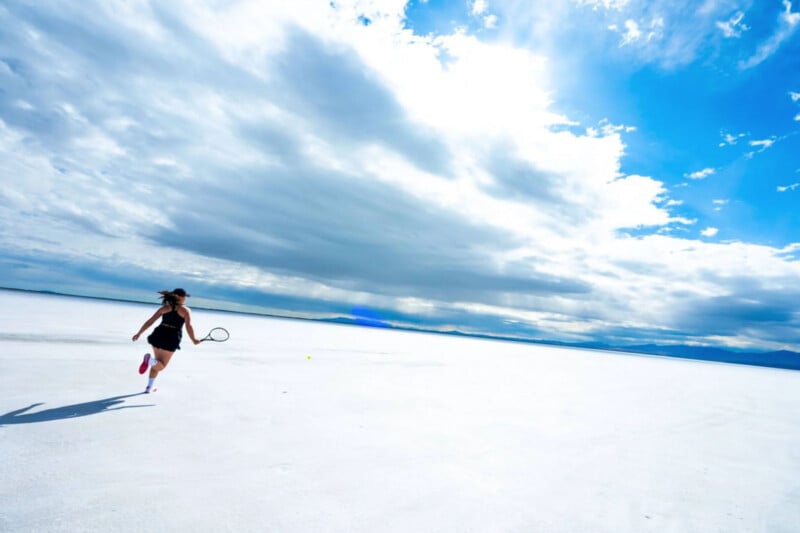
x=168, y=297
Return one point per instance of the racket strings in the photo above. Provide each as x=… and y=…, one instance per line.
x=218, y=335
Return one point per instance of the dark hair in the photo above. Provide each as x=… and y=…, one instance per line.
x=171, y=297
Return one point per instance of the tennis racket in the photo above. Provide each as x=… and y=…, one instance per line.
x=217, y=335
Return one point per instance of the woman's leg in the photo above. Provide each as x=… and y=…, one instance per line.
x=162, y=358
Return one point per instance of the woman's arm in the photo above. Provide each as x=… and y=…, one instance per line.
x=150, y=321
x=187, y=320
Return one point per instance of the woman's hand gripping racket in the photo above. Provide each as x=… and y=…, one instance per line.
x=217, y=335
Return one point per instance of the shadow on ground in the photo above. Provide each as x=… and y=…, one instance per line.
x=21, y=416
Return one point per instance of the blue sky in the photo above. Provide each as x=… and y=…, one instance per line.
x=586, y=170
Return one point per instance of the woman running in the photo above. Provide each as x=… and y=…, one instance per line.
x=166, y=338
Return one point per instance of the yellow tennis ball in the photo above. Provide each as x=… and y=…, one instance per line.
x=308, y=357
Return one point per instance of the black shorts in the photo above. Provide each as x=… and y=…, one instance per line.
x=166, y=338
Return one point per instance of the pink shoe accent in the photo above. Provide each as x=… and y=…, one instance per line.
x=145, y=363
x=148, y=390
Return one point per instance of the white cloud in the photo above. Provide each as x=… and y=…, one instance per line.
x=733, y=27
x=609, y=129
x=787, y=24
x=792, y=19
x=763, y=144
x=709, y=232
x=729, y=139
x=791, y=187
x=700, y=174
x=632, y=32
x=640, y=33
x=668, y=34
x=479, y=7
x=718, y=203
x=54, y=207
x=615, y=5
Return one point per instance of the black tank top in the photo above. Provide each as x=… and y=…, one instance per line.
x=172, y=319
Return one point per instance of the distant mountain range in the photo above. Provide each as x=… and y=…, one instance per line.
x=775, y=359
